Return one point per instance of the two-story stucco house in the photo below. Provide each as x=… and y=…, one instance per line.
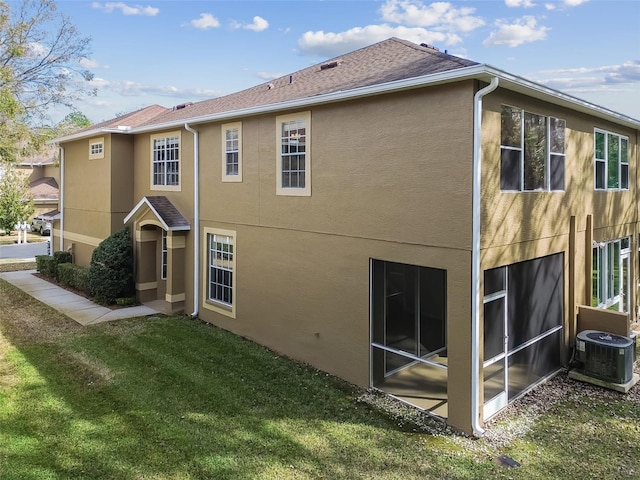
x=399, y=217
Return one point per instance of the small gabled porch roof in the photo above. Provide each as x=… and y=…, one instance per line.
x=166, y=213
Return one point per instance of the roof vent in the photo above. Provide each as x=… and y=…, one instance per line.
x=328, y=65
x=426, y=45
x=182, y=105
x=269, y=86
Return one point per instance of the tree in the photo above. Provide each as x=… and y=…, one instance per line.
x=16, y=202
x=41, y=56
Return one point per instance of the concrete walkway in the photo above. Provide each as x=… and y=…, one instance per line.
x=76, y=307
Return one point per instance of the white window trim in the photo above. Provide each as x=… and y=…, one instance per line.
x=606, y=161
x=168, y=188
x=225, y=128
x=218, y=307
x=547, y=165
x=294, y=192
x=610, y=298
x=96, y=141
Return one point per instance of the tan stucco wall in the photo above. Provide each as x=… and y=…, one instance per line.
x=525, y=225
x=379, y=167
x=98, y=193
x=391, y=181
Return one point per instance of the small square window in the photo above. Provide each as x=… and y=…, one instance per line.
x=96, y=148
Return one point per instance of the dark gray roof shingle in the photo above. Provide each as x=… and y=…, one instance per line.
x=383, y=62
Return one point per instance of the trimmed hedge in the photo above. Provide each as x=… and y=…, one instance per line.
x=111, y=270
x=48, y=266
x=74, y=276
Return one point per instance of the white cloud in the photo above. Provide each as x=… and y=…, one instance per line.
x=334, y=44
x=440, y=15
x=259, y=24
x=550, y=6
x=269, y=75
x=125, y=9
x=574, y=3
x=627, y=72
x=89, y=63
x=128, y=88
x=524, y=30
x=519, y=3
x=205, y=21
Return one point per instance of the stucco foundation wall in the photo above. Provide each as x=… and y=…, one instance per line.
x=307, y=295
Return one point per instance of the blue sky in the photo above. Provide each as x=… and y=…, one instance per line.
x=171, y=52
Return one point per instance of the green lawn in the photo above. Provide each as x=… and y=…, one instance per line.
x=173, y=398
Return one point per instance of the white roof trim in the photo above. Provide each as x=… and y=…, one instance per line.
x=475, y=72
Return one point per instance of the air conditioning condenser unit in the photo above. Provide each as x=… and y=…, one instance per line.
x=605, y=356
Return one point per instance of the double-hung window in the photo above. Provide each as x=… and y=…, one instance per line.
x=232, y=152
x=532, y=151
x=165, y=154
x=610, y=287
x=611, y=161
x=220, y=287
x=294, y=154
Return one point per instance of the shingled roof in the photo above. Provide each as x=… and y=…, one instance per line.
x=168, y=215
x=386, y=61
x=44, y=188
x=130, y=120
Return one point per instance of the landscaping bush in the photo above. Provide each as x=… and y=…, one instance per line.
x=46, y=266
x=111, y=270
x=74, y=276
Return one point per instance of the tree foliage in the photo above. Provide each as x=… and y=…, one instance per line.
x=16, y=202
x=41, y=57
x=111, y=269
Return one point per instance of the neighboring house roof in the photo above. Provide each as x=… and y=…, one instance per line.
x=52, y=215
x=164, y=210
x=46, y=156
x=387, y=66
x=44, y=188
x=127, y=121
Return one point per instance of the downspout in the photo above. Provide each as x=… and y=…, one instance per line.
x=196, y=218
x=475, y=256
x=61, y=201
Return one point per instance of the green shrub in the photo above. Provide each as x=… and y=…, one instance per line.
x=46, y=265
x=126, y=301
x=74, y=276
x=111, y=270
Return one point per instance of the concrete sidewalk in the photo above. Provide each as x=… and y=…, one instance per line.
x=76, y=307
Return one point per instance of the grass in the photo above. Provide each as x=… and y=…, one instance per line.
x=13, y=238
x=173, y=398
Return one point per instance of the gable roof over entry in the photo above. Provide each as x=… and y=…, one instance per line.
x=166, y=213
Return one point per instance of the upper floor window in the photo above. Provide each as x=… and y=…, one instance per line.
x=96, y=148
x=165, y=154
x=232, y=152
x=294, y=158
x=611, y=161
x=532, y=151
